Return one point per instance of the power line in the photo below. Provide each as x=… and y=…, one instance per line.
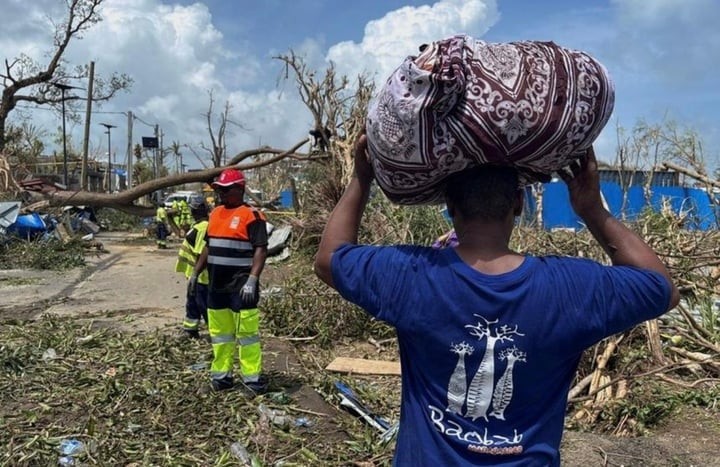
x=135, y=117
x=49, y=109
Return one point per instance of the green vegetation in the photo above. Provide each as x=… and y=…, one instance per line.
x=115, y=220
x=140, y=399
x=307, y=308
x=48, y=254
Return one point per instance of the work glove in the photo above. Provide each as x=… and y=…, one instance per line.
x=249, y=292
x=192, y=285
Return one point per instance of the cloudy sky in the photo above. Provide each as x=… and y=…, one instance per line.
x=663, y=55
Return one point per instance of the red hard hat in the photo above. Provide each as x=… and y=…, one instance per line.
x=230, y=177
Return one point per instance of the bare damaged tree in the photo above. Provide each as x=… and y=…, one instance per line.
x=335, y=106
x=197, y=155
x=640, y=151
x=25, y=80
x=685, y=147
x=626, y=161
x=218, y=149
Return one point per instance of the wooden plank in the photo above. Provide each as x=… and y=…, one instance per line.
x=364, y=367
x=63, y=232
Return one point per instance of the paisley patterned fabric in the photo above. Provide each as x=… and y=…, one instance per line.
x=464, y=102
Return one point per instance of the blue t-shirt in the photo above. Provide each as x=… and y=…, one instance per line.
x=487, y=360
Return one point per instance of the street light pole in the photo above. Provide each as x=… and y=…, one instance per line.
x=110, y=162
x=63, y=88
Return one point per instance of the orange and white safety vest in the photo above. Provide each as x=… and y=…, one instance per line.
x=233, y=234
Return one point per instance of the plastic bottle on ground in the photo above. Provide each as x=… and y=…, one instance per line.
x=241, y=452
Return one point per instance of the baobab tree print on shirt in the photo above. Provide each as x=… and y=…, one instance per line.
x=481, y=389
x=483, y=398
x=504, y=387
x=482, y=392
x=457, y=389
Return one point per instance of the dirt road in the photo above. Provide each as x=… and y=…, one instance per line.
x=132, y=286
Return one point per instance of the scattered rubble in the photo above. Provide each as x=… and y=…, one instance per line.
x=70, y=223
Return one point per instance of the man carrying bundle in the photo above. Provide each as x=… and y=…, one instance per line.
x=489, y=339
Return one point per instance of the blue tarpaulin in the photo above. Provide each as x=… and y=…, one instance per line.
x=28, y=226
x=694, y=204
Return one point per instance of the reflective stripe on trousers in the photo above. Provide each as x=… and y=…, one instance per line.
x=191, y=324
x=229, y=330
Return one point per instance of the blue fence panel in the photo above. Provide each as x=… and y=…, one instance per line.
x=706, y=214
x=695, y=204
x=286, y=199
x=613, y=197
x=556, y=207
x=692, y=202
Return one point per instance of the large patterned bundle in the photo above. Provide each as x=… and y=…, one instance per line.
x=464, y=102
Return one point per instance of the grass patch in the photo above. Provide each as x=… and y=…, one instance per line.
x=18, y=281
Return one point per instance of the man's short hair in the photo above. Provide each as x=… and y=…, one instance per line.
x=484, y=193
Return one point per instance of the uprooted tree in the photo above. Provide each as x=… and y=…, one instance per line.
x=124, y=200
x=338, y=112
x=23, y=79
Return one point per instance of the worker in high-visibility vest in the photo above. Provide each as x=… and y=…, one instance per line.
x=191, y=248
x=175, y=218
x=185, y=219
x=234, y=256
x=161, y=228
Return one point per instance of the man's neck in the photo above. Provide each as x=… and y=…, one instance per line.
x=484, y=246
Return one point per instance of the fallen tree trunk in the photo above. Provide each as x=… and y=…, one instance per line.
x=124, y=200
x=690, y=173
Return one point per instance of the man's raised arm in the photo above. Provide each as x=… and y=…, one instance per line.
x=344, y=221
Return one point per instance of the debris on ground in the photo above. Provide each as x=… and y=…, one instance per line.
x=70, y=223
x=363, y=366
x=350, y=400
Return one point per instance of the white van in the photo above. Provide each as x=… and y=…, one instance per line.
x=188, y=196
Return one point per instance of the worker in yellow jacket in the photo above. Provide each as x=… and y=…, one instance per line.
x=191, y=248
x=161, y=226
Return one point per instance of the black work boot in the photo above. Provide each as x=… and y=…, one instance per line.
x=222, y=384
x=192, y=333
x=258, y=387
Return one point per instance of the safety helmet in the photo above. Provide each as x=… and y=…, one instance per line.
x=230, y=177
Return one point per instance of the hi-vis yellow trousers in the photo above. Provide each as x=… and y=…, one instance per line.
x=230, y=330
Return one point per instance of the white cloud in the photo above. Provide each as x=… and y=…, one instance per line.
x=388, y=40
x=164, y=48
x=173, y=53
